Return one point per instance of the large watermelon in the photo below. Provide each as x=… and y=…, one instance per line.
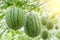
x=32, y=27
x=15, y=18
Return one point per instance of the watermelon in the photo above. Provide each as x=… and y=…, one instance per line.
x=33, y=25
x=44, y=20
x=47, y=22
x=56, y=27
x=50, y=25
x=15, y=18
x=44, y=34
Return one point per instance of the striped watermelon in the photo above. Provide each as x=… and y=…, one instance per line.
x=15, y=18
x=44, y=34
x=47, y=22
x=49, y=25
x=32, y=27
x=44, y=20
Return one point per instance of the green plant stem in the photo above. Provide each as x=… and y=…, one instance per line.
x=4, y=30
x=36, y=6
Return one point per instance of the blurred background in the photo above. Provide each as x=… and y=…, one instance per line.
x=49, y=8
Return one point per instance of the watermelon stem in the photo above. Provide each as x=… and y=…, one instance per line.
x=36, y=7
x=4, y=30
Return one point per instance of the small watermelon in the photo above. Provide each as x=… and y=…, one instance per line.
x=44, y=20
x=44, y=34
x=50, y=25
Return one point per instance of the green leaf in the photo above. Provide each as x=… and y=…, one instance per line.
x=19, y=32
x=37, y=9
x=22, y=4
x=0, y=35
x=1, y=16
x=38, y=0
